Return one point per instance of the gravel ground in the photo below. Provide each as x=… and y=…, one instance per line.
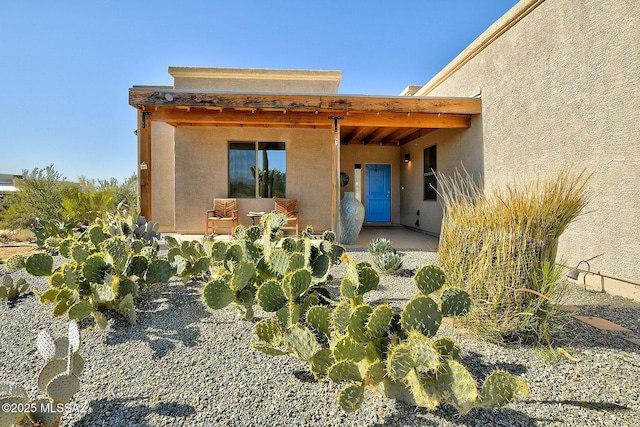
x=185, y=365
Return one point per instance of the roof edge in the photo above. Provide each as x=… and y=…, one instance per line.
x=497, y=29
x=256, y=73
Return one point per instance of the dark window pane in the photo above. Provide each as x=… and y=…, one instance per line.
x=430, y=159
x=242, y=161
x=272, y=163
x=430, y=186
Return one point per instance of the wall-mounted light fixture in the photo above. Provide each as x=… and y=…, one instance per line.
x=575, y=272
x=407, y=158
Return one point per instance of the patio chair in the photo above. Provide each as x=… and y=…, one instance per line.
x=223, y=219
x=288, y=207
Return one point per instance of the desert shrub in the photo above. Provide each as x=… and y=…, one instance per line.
x=51, y=206
x=501, y=248
x=40, y=196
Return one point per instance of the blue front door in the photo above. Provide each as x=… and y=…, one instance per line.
x=378, y=193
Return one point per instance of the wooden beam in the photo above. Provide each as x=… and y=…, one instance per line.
x=415, y=135
x=397, y=135
x=305, y=102
x=376, y=135
x=294, y=118
x=357, y=135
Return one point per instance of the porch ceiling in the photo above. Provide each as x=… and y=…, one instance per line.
x=374, y=120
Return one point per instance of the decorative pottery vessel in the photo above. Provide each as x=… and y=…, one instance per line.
x=351, y=218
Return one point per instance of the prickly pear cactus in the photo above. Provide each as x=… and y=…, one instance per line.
x=372, y=348
x=59, y=379
x=14, y=263
x=10, y=290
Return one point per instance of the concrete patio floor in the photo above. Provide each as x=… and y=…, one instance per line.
x=400, y=237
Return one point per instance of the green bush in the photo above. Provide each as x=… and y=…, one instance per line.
x=51, y=206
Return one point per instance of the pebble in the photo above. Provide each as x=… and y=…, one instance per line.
x=185, y=365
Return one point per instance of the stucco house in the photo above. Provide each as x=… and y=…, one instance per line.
x=553, y=83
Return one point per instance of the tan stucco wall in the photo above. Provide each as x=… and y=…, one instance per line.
x=162, y=177
x=201, y=173
x=256, y=79
x=352, y=154
x=457, y=151
x=562, y=87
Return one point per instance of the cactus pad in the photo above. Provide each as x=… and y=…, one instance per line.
x=296, y=261
x=243, y=273
x=344, y=370
x=351, y=397
x=500, y=388
x=429, y=278
x=269, y=331
x=271, y=297
x=422, y=352
x=294, y=284
x=421, y=314
x=302, y=341
x=368, y=280
x=447, y=348
x=39, y=264
x=455, y=302
x=457, y=386
x=52, y=369
x=137, y=265
x=346, y=348
x=63, y=387
x=95, y=268
x=319, y=318
x=358, y=322
x=341, y=316
x=374, y=374
x=159, y=271
x=74, y=336
x=46, y=345
x=423, y=390
x=217, y=295
x=14, y=263
x=80, y=310
x=321, y=362
x=379, y=321
x=399, y=362
x=46, y=413
x=12, y=389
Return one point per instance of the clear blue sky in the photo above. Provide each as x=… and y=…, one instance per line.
x=66, y=66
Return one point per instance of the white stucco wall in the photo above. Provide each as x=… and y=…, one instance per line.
x=561, y=87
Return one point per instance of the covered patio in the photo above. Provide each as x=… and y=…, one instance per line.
x=346, y=120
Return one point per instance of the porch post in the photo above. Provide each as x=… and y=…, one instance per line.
x=335, y=180
x=144, y=163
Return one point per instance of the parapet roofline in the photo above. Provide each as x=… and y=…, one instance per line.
x=255, y=73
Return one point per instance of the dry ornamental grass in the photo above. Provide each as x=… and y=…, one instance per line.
x=501, y=248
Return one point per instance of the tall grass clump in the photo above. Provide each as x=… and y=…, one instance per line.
x=501, y=246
